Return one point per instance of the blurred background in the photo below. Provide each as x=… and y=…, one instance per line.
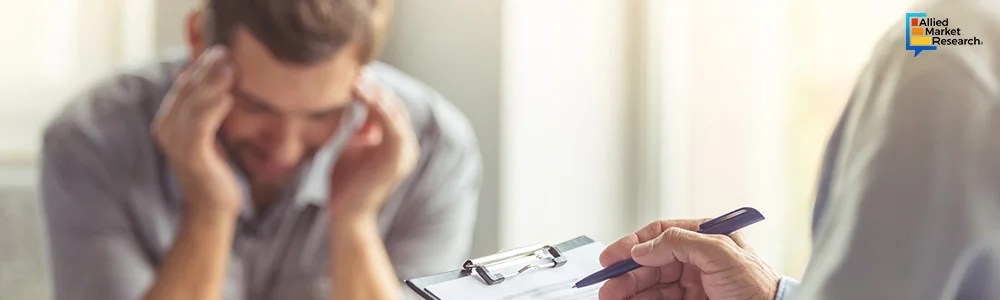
x=595, y=117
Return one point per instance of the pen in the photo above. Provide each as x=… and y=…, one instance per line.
x=725, y=224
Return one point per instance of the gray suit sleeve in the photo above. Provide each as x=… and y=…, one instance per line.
x=93, y=253
x=914, y=181
x=433, y=233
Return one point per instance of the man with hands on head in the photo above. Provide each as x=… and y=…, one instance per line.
x=907, y=204
x=200, y=178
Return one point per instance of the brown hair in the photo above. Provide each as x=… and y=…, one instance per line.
x=302, y=31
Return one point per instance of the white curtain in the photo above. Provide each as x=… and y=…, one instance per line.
x=745, y=95
x=627, y=112
x=51, y=49
x=564, y=143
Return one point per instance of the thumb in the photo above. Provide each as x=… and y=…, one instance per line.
x=707, y=252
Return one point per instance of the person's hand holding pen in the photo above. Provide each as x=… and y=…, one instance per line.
x=679, y=263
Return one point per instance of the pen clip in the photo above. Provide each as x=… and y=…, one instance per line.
x=732, y=221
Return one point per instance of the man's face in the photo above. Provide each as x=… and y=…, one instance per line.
x=283, y=113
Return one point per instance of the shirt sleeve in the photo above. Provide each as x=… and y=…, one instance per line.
x=786, y=286
x=913, y=184
x=93, y=253
x=433, y=232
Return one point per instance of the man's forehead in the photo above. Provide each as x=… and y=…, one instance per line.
x=304, y=104
x=249, y=49
x=289, y=85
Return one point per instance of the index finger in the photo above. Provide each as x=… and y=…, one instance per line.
x=384, y=107
x=201, y=71
x=622, y=248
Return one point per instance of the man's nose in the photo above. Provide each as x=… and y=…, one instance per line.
x=288, y=146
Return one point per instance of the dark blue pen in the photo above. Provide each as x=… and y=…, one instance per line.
x=724, y=224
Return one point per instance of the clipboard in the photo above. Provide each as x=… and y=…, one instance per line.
x=481, y=266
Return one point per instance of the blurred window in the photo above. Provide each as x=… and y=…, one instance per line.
x=747, y=94
x=51, y=49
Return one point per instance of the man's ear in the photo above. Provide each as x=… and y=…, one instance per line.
x=195, y=32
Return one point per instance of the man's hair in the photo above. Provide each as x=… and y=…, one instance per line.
x=302, y=31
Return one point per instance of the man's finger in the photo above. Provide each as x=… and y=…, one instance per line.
x=662, y=291
x=180, y=90
x=206, y=111
x=217, y=79
x=741, y=241
x=369, y=94
x=641, y=279
x=369, y=135
x=181, y=84
x=622, y=248
x=396, y=119
x=206, y=122
x=620, y=287
x=210, y=102
x=383, y=103
x=191, y=79
x=216, y=113
x=396, y=108
x=691, y=283
x=671, y=273
x=376, y=120
x=619, y=250
x=678, y=245
x=697, y=293
x=206, y=60
x=210, y=94
x=646, y=277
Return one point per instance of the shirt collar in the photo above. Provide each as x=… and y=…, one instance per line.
x=314, y=188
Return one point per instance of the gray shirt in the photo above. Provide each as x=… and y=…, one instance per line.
x=908, y=205
x=112, y=208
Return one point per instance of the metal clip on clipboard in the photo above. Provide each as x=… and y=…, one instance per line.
x=551, y=258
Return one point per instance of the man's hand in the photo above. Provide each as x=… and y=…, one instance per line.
x=382, y=153
x=185, y=129
x=681, y=264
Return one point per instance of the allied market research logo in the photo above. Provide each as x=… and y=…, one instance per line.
x=925, y=33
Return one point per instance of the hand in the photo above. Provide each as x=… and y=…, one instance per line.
x=679, y=263
x=382, y=153
x=185, y=129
